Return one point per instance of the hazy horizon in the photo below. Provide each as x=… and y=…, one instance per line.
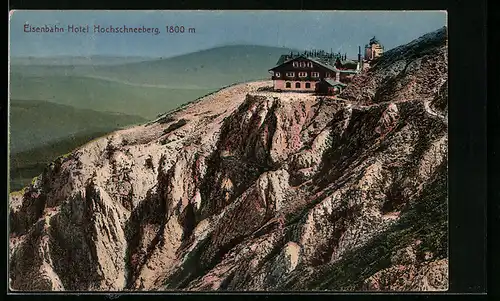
x=137, y=56
x=339, y=31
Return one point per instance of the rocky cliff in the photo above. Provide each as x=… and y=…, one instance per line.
x=253, y=190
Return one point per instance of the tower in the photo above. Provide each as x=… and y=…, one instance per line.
x=374, y=49
x=377, y=48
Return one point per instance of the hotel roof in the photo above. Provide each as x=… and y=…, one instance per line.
x=327, y=63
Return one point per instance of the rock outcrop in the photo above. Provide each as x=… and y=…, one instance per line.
x=252, y=190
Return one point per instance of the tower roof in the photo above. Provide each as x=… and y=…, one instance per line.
x=374, y=41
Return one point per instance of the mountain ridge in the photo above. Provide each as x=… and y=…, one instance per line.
x=252, y=190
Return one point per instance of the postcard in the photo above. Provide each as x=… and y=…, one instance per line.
x=208, y=151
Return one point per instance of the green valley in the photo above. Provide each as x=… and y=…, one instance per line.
x=40, y=131
x=59, y=103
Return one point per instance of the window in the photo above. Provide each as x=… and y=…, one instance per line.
x=290, y=74
x=328, y=75
x=302, y=74
x=288, y=85
x=277, y=74
x=309, y=64
x=295, y=64
x=297, y=85
x=315, y=74
x=308, y=85
x=302, y=64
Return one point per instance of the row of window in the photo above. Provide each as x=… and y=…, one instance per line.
x=302, y=64
x=301, y=74
x=297, y=85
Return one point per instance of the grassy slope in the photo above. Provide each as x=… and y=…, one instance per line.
x=101, y=95
x=40, y=131
x=34, y=123
x=27, y=164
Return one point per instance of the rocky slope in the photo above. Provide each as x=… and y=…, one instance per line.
x=253, y=190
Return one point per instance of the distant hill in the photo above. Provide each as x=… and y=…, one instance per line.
x=34, y=123
x=145, y=88
x=30, y=163
x=101, y=95
x=76, y=60
x=206, y=69
x=41, y=131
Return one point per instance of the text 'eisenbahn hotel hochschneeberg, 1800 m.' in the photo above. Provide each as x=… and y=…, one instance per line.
x=72, y=28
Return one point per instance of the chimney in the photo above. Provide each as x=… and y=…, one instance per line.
x=359, y=53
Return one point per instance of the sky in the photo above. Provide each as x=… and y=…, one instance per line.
x=340, y=31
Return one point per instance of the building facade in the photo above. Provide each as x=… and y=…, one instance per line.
x=307, y=74
x=319, y=71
